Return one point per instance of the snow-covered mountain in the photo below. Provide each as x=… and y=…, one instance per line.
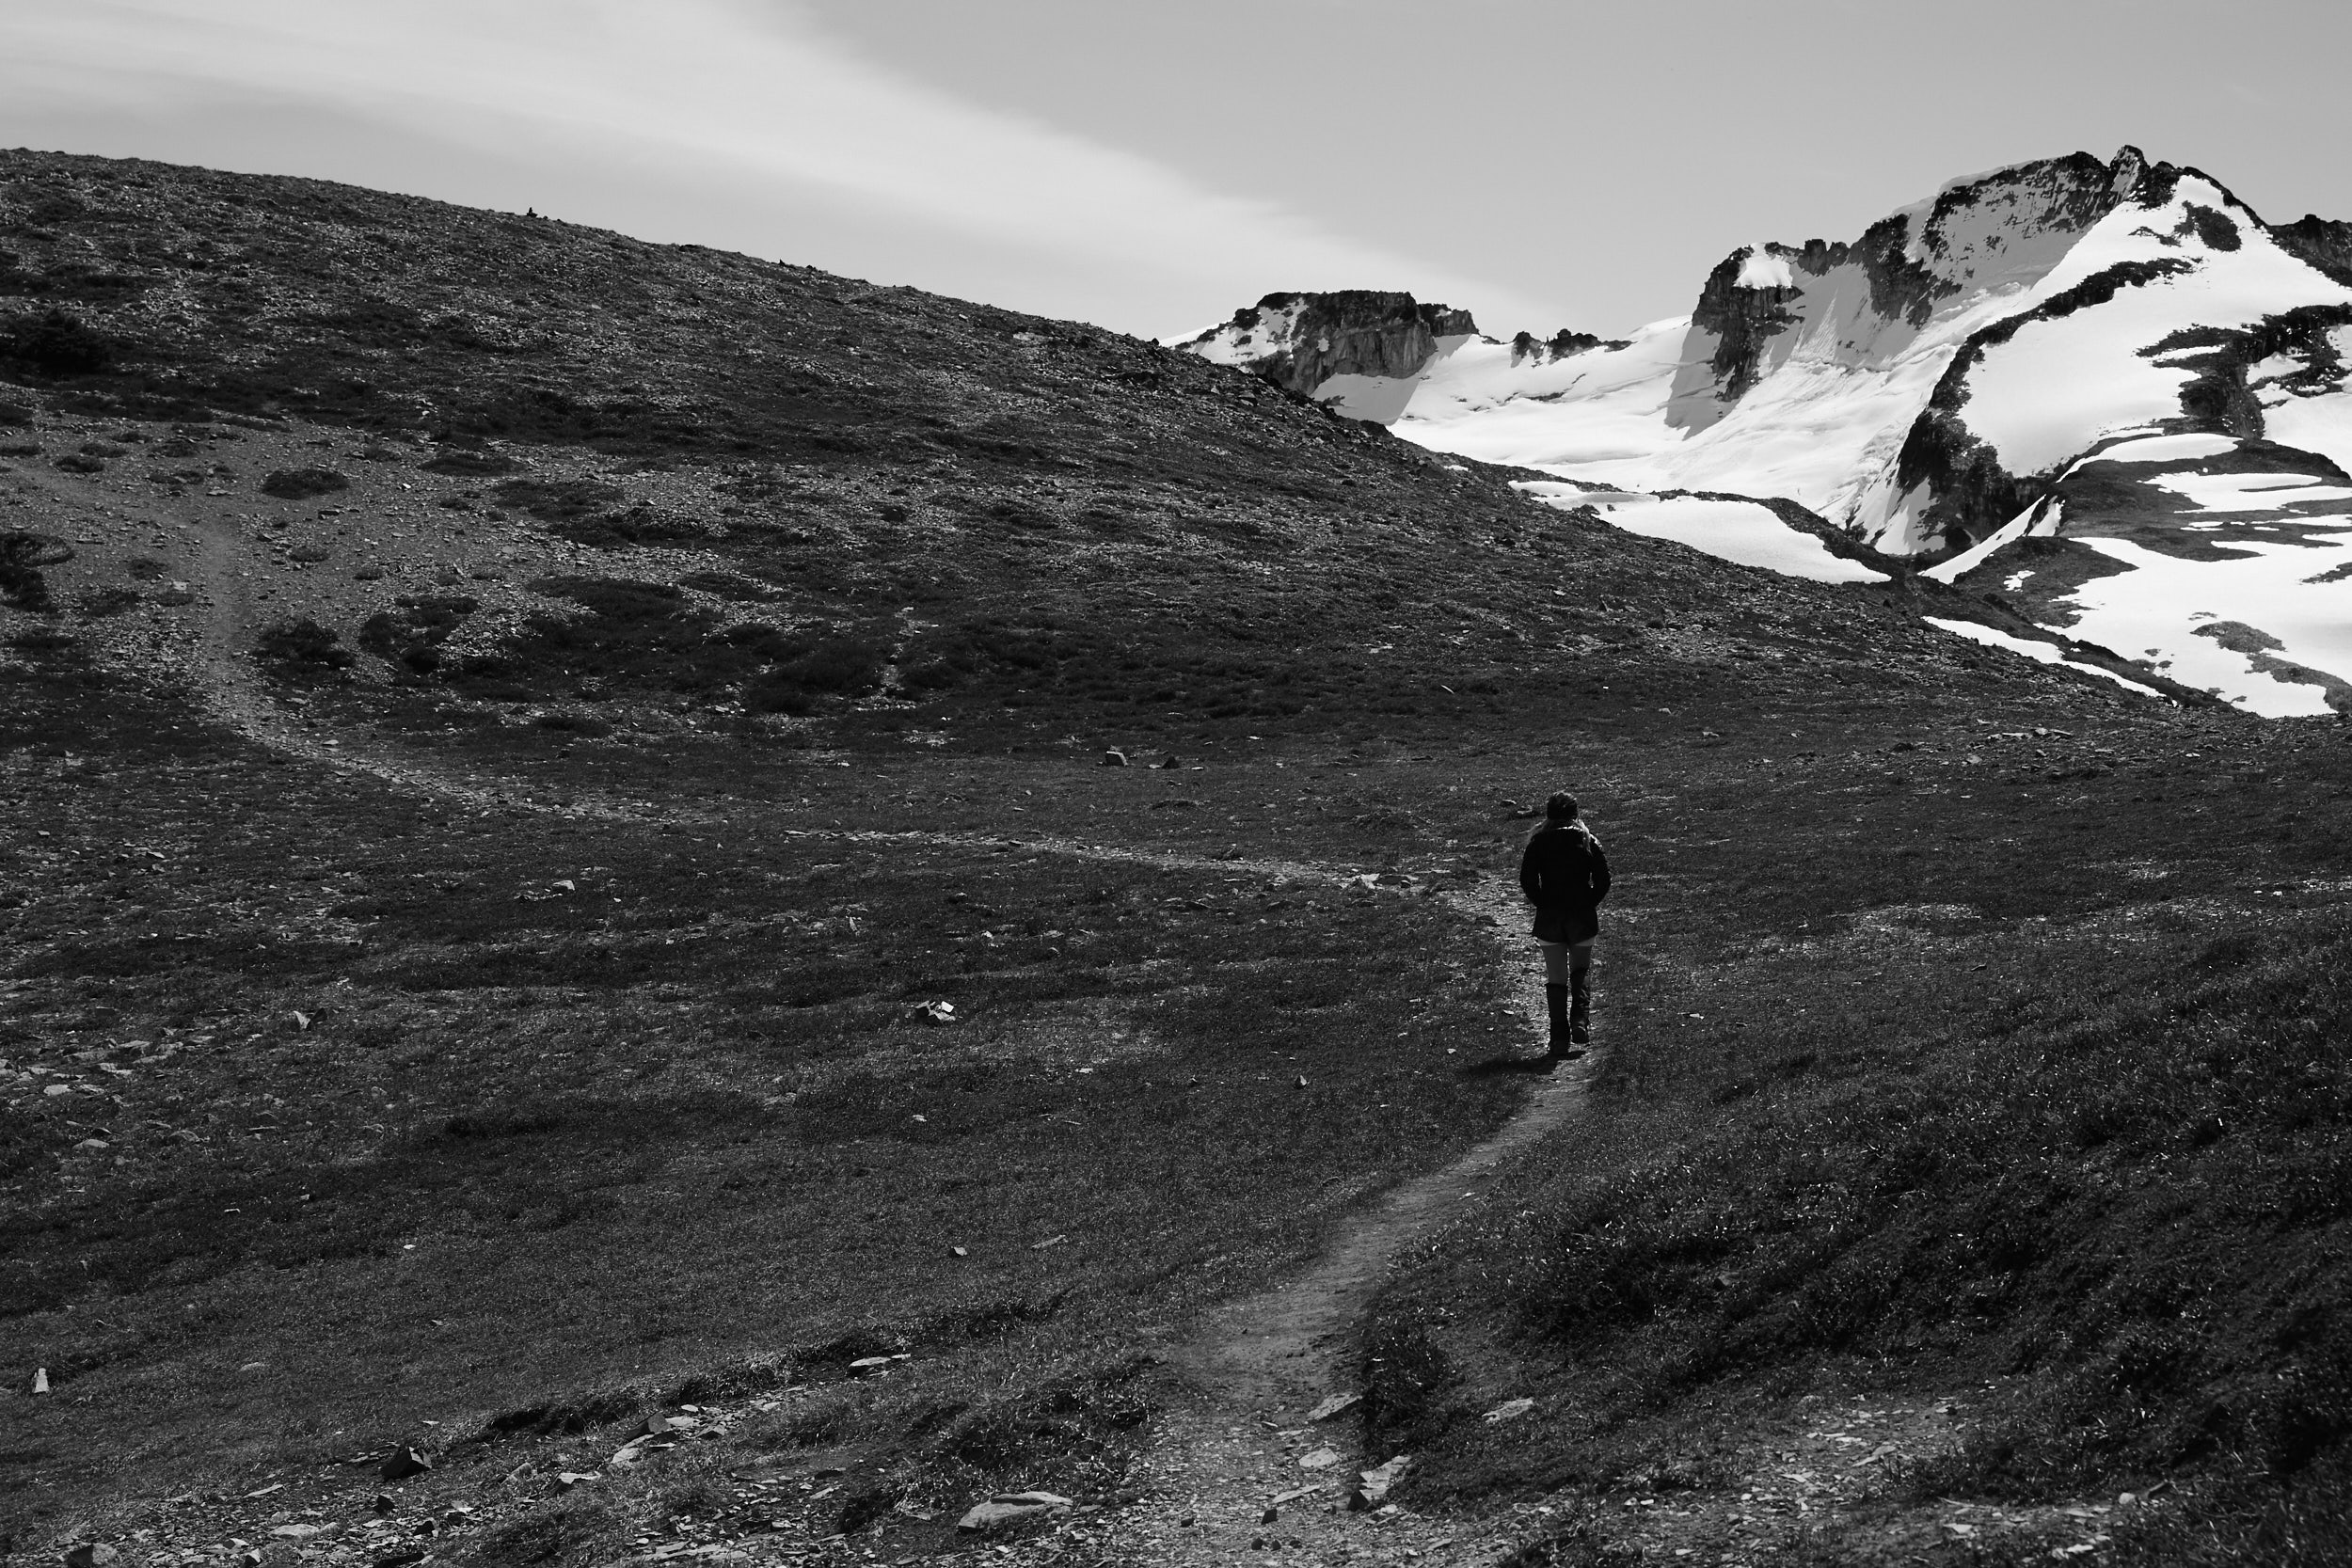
x=2118, y=360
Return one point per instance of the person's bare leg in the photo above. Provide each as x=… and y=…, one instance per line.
x=1579, y=987
x=1556, y=964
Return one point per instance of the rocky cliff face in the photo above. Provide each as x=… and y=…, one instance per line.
x=1302, y=340
x=2188, y=315
x=1865, y=301
x=2322, y=242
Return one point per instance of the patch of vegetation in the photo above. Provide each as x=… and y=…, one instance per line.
x=99, y=603
x=21, y=583
x=56, y=345
x=559, y=500
x=410, y=635
x=302, y=643
x=303, y=484
x=702, y=1053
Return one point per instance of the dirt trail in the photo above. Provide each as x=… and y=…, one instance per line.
x=1242, y=1447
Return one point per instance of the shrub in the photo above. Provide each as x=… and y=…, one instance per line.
x=295, y=484
x=820, y=662
x=557, y=500
x=109, y=601
x=21, y=582
x=303, y=642
x=56, y=344
x=412, y=634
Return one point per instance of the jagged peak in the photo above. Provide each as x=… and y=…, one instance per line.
x=2125, y=169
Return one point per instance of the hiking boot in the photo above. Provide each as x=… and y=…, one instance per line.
x=1556, y=1005
x=1580, y=1015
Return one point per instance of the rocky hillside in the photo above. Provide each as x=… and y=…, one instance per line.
x=474, y=464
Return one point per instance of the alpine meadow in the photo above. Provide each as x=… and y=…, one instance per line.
x=665, y=908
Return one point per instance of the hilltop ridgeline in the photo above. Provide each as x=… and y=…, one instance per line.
x=666, y=474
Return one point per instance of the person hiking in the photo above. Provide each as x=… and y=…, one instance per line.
x=1566, y=876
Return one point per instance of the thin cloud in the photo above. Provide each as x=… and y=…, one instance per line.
x=699, y=89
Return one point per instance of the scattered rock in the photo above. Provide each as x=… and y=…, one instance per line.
x=1171, y=760
x=1372, y=1486
x=1333, y=1405
x=310, y=555
x=176, y=596
x=1321, y=1459
x=405, y=1462
x=1114, y=757
x=566, y=1479
x=1010, y=1508
x=1509, y=1410
x=1050, y=1241
x=941, y=1013
x=90, y=1554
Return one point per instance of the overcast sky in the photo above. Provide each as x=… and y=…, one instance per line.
x=1150, y=167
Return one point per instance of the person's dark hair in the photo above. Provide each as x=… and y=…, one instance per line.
x=1560, y=811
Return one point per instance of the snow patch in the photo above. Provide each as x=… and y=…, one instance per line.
x=2041, y=652
x=2266, y=588
x=1744, y=531
x=1761, y=269
x=2164, y=449
x=2249, y=492
x=2041, y=517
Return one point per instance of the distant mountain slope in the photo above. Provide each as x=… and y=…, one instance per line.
x=1937, y=382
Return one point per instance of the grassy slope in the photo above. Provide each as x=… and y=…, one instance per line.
x=533, y=1143
x=2043, y=1097
x=1045, y=538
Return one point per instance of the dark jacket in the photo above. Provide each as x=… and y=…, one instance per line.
x=1564, y=872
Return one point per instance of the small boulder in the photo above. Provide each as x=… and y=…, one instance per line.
x=405, y=1462
x=1509, y=1410
x=1114, y=757
x=1372, y=1486
x=1321, y=1459
x=1333, y=1405
x=1007, y=1508
x=90, y=1554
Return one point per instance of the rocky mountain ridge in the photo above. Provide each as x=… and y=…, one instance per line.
x=1922, y=389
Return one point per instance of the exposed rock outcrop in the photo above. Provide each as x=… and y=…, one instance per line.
x=2323, y=243
x=1870, y=297
x=1301, y=341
